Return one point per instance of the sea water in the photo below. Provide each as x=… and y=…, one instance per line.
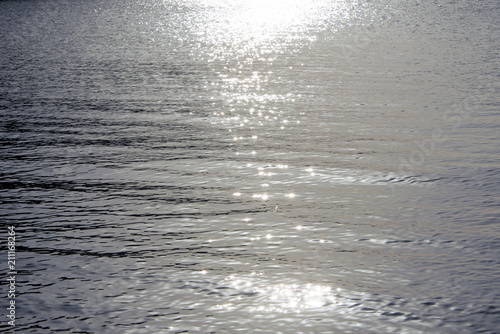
x=230, y=166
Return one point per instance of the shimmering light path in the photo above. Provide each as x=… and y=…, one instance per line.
x=251, y=166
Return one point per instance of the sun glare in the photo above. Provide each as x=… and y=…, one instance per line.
x=255, y=21
x=285, y=298
x=270, y=14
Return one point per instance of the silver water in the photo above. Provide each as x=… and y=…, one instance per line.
x=271, y=166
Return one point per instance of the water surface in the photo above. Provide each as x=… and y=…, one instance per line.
x=263, y=167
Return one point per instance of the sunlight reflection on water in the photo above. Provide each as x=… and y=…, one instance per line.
x=252, y=25
x=236, y=170
x=282, y=297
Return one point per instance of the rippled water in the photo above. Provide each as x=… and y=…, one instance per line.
x=252, y=166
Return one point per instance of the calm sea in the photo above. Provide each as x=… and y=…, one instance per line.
x=265, y=166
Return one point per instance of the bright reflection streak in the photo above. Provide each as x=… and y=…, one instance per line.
x=284, y=298
x=264, y=197
x=257, y=20
x=260, y=28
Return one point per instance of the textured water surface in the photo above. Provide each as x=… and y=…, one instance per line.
x=251, y=167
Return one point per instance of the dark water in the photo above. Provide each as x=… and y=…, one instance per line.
x=251, y=167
